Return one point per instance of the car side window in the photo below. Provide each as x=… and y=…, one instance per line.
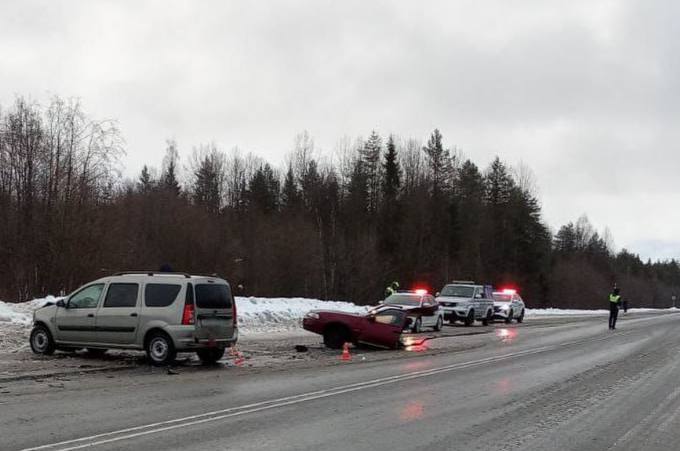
x=478, y=293
x=160, y=294
x=391, y=317
x=121, y=295
x=88, y=297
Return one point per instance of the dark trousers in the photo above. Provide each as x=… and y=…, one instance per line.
x=613, y=314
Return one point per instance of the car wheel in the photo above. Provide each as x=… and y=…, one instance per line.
x=488, y=318
x=42, y=341
x=96, y=352
x=160, y=349
x=508, y=319
x=470, y=318
x=335, y=337
x=417, y=326
x=440, y=324
x=210, y=356
x=520, y=318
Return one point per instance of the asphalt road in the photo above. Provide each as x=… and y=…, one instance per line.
x=567, y=384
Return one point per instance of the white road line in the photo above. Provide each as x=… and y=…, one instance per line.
x=192, y=420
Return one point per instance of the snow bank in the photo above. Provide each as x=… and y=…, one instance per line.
x=21, y=313
x=257, y=315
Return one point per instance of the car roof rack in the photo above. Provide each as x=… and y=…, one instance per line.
x=153, y=273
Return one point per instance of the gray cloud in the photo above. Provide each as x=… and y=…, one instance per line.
x=584, y=92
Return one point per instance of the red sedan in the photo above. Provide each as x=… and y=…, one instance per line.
x=381, y=327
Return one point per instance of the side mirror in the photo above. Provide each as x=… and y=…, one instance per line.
x=478, y=296
x=371, y=318
x=381, y=302
x=437, y=294
x=61, y=303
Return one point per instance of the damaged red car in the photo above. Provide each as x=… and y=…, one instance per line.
x=381, y=327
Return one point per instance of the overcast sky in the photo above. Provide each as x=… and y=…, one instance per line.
x=587, y=93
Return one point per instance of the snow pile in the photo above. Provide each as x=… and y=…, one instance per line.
x=22, y=313
x=257, y=315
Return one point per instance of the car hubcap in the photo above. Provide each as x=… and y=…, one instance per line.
x=159, y=349
x=40, y=341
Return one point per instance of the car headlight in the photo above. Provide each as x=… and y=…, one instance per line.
x=312, y=315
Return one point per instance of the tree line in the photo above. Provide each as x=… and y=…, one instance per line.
x=338, y=226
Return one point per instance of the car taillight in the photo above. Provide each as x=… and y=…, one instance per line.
x=188, y=317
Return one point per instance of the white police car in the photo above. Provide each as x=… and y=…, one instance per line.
x=508, y=305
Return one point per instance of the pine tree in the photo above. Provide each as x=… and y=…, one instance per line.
x=169, y=178
x=392, y=173
x=145, y=183
x=439, y=162
x=290, y=195
x=388, y=226
x=370, y=157
x=263, y=190
x=207, y=187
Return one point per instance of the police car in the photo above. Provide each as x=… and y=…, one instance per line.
x=508, y=305
x=420, y=306
x=466, y=301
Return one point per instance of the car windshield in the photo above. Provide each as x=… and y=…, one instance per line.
x=502, y=297
x=403, y=299
x=458, y=291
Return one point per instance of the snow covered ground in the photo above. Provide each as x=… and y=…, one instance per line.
x=256, y=316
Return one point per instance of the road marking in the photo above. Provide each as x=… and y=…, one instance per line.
x=192, y=420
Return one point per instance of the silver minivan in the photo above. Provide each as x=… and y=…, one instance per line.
x=160, y=313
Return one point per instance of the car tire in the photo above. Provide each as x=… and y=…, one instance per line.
x=210, y=356
x=440, y=323
x=508, y=319
x=160, y=349
x=335, y=337
x=520, y=318
x=489, y=316
x=470, y=318
x=417, y=326
x=41, y=341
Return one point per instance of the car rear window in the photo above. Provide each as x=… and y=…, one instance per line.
x=403, y=299
x=213, y=296
x=160, y=294
x=121, y=295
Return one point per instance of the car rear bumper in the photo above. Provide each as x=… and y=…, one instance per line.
x=185, y=340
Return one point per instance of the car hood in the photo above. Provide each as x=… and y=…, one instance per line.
x=337, y=312
x=453, y=299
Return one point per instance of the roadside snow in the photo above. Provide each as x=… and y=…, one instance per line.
x=261, y=315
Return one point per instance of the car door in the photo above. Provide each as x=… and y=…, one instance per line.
x=76, y=322
x=215, y=316
x=478, y=302
x=429, y=308
x=384, y=328
x=117, y=318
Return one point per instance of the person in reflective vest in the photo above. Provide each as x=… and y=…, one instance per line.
x=391, y=289
x=614, y=301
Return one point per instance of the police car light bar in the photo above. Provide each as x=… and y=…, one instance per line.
x=509, y=291
x=421, y=291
